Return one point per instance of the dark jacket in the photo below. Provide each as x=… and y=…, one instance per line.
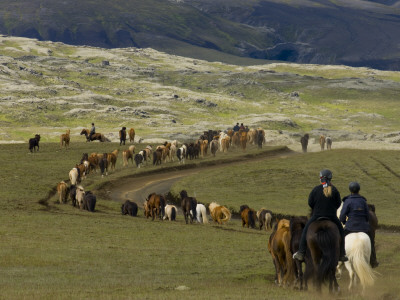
x=323, y=206
x=356, y=210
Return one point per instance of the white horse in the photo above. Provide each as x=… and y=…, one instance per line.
x=73, y=176
x=172, y=151
x=170, y=212
x=201, y=213
x=358, y=250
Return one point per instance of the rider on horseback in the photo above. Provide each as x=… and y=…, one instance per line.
x=324, y=201
x=92, y=131
x=355, y=214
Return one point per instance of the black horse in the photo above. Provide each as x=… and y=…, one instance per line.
x=129, y=208
x=122, y=136
x=89, y=201
x=188, y=205
x=260, y=138
x=322, y=256
x=103, y=164
x=297, y=225
x=304, y=142
x=34, y=143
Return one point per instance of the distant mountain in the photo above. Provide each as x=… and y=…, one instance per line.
x=350, y=32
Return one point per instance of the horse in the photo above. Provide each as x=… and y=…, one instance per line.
x=322, y=142
x=220, y=214
x=181, y=153
x=112, y=159
x=93, y=160
x=156, y=205
x=132, y=135
x=322, y=256
x=129, y=208
x=157, y=155
x=81, y=168
x=264, y=217
x=64, y=139
x=201, y=213
x=139, y=158
x=328, y=143
x=89, y=201
x=172, y=152
x=260, y=138
x=235, y=139
x=149, y=152
x=94, y=137
x=63, y=191
x=34, y=143
x=80, y=194
x=279, y=248
x=103, y=164
x=203, y=147
x=146, y=209
x=213, y=147
x=243, y=140
x=296, y=227
x=252, y=136
x=225, y=144
x=73, y=176
x=304, y=142
x=188, y=205
x=122, y=136
x=72, y=194
x=126, y=156
x=248, y=216
x=170, y=212
x=358, y=250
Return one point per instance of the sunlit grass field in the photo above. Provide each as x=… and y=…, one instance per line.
x=53, y=251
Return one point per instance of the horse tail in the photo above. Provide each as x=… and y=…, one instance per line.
x=359, y=258
x=173, y=214
x=251, y=218
x=326, y=240
x=204, y=214
x=227, y=214
x=268, y=221
x=124, y=159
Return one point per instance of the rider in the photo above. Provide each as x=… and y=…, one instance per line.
x=324, y=201
x=92, y=131
x=236, y=127
x=355, y=215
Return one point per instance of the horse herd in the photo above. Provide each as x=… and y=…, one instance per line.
x=322, y=141
x=322, y=256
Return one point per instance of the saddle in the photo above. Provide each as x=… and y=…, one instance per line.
x=323, y=219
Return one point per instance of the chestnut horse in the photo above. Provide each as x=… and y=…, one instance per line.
x=94, y=137
x=188, y=205
x=63, y=191
x=323, y=242
x=64, y=139
x=156, y=205
x=322, y=142
x=279, y=247
x=132, y=135
x=248, y=216
x=220, y=214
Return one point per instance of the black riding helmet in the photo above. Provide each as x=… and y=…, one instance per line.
x=325, y=174
x=354, y=187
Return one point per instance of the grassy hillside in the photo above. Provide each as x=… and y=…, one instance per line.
x=49, y=87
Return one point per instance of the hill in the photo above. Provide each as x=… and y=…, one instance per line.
x=354, y=33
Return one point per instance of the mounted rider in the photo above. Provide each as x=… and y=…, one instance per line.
x=92, y=131
x=355, y=216
x=324, y=201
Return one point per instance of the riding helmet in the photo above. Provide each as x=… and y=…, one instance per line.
x=325, y=174
x=354, y=187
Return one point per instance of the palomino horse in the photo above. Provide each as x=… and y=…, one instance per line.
x=73, y=176
x=170, y=212
x=122, y=136
x=219, y=213
x=323, y=242
x=188, y=205
x=304, y=142
x=322, y=142
x=128, y=155
x=264, y=217
x=156, y=205
x=94, y=137
x=129, y=208
x=248, y=216
x=64, y=139
x=132, y=135
x=297, y=225
x=279, y=247
x=358, y=250
x=252, y=136
x=34, y=143
x=63, y=191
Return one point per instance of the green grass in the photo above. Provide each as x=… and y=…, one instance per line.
x=53, y=251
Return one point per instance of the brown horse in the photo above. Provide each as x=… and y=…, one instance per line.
x=243, y=140
x=248, y=216
x=94, y=137
x=64, y=139
x=112, y=159
x=322, y=142
x=63, y=191
x=279, y=247
x=220, y=214
x=323, y=242
x=156, y=206
x=132, y=135
x=297, y=225
x=188, y=205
